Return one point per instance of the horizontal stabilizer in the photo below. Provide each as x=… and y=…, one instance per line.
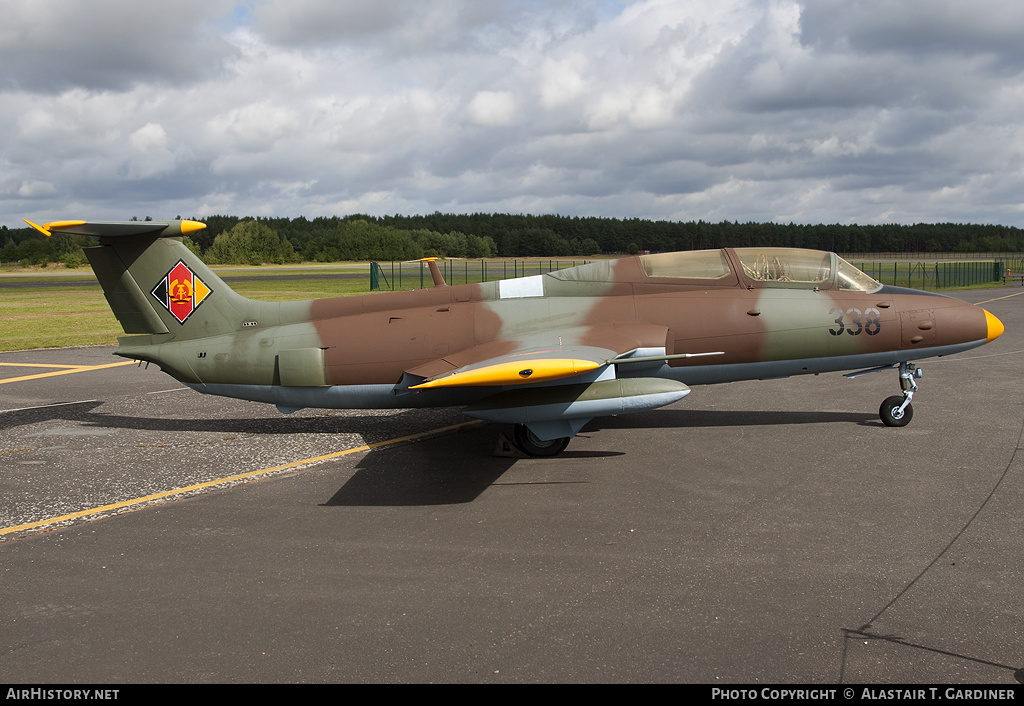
x=119, y=229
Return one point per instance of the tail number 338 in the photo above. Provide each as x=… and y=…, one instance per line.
x=854, y=321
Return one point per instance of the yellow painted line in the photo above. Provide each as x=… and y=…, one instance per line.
x=251, y=475
x=998, y=298
x=78, y=369
x=37, y=365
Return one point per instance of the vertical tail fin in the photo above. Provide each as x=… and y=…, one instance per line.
x=156, y=285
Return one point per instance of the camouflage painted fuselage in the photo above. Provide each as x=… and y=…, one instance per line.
x=368, y=351
x=544, y=353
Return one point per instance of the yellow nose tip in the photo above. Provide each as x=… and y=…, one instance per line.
x=995, y=327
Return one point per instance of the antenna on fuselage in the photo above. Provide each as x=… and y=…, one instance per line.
x=435, y=272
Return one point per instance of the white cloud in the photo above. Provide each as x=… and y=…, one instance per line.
x=493, y=108
x=561, y=81
x=257, y=127
x=48, y=46
x=151, y=137
x=36, y=189
x=817, y=111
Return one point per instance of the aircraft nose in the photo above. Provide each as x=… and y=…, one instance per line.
x=995, y=326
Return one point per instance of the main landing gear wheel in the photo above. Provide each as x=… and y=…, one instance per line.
x=527, y=442
x=892, y=415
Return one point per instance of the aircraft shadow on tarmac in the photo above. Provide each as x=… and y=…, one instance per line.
x=447, y=470
x=456, y=469
x=451, y=469
x=377, y=426
x=36, y=415
x=373, y=428
x=683, y=418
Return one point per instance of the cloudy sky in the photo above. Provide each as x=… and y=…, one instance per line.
x=811, y=111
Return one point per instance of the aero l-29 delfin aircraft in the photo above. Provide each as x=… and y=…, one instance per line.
x=544, y=353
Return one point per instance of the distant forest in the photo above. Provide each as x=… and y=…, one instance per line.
x=231, y=239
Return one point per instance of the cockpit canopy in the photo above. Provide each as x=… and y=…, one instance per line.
x=786, y=268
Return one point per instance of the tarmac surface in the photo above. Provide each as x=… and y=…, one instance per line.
x=759, y=532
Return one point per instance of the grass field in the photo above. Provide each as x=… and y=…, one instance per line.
x=76, y=314
x=57, y=317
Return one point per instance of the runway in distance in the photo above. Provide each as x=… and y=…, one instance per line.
x=544, y=353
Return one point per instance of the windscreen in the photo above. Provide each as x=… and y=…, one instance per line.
x=852, y=279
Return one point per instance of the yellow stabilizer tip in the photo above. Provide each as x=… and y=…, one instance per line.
x=191, y=227
x=514, y=373
x=58, y=225
x=995, y=327
x=38, y=227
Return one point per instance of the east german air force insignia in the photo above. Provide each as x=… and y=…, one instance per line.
x=181, y=292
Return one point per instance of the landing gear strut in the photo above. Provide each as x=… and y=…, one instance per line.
x=897, y=411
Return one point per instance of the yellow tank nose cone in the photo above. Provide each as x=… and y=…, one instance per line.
x=995, y=327
x=191, y=227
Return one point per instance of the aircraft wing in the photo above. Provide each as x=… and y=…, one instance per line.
x=554, y=383
x=537, y=358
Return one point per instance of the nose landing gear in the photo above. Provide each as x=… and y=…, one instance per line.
x=897, y=411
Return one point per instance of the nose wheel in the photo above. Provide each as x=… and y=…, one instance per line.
x=897, y=411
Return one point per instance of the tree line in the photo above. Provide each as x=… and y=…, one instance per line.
x=236, y=240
